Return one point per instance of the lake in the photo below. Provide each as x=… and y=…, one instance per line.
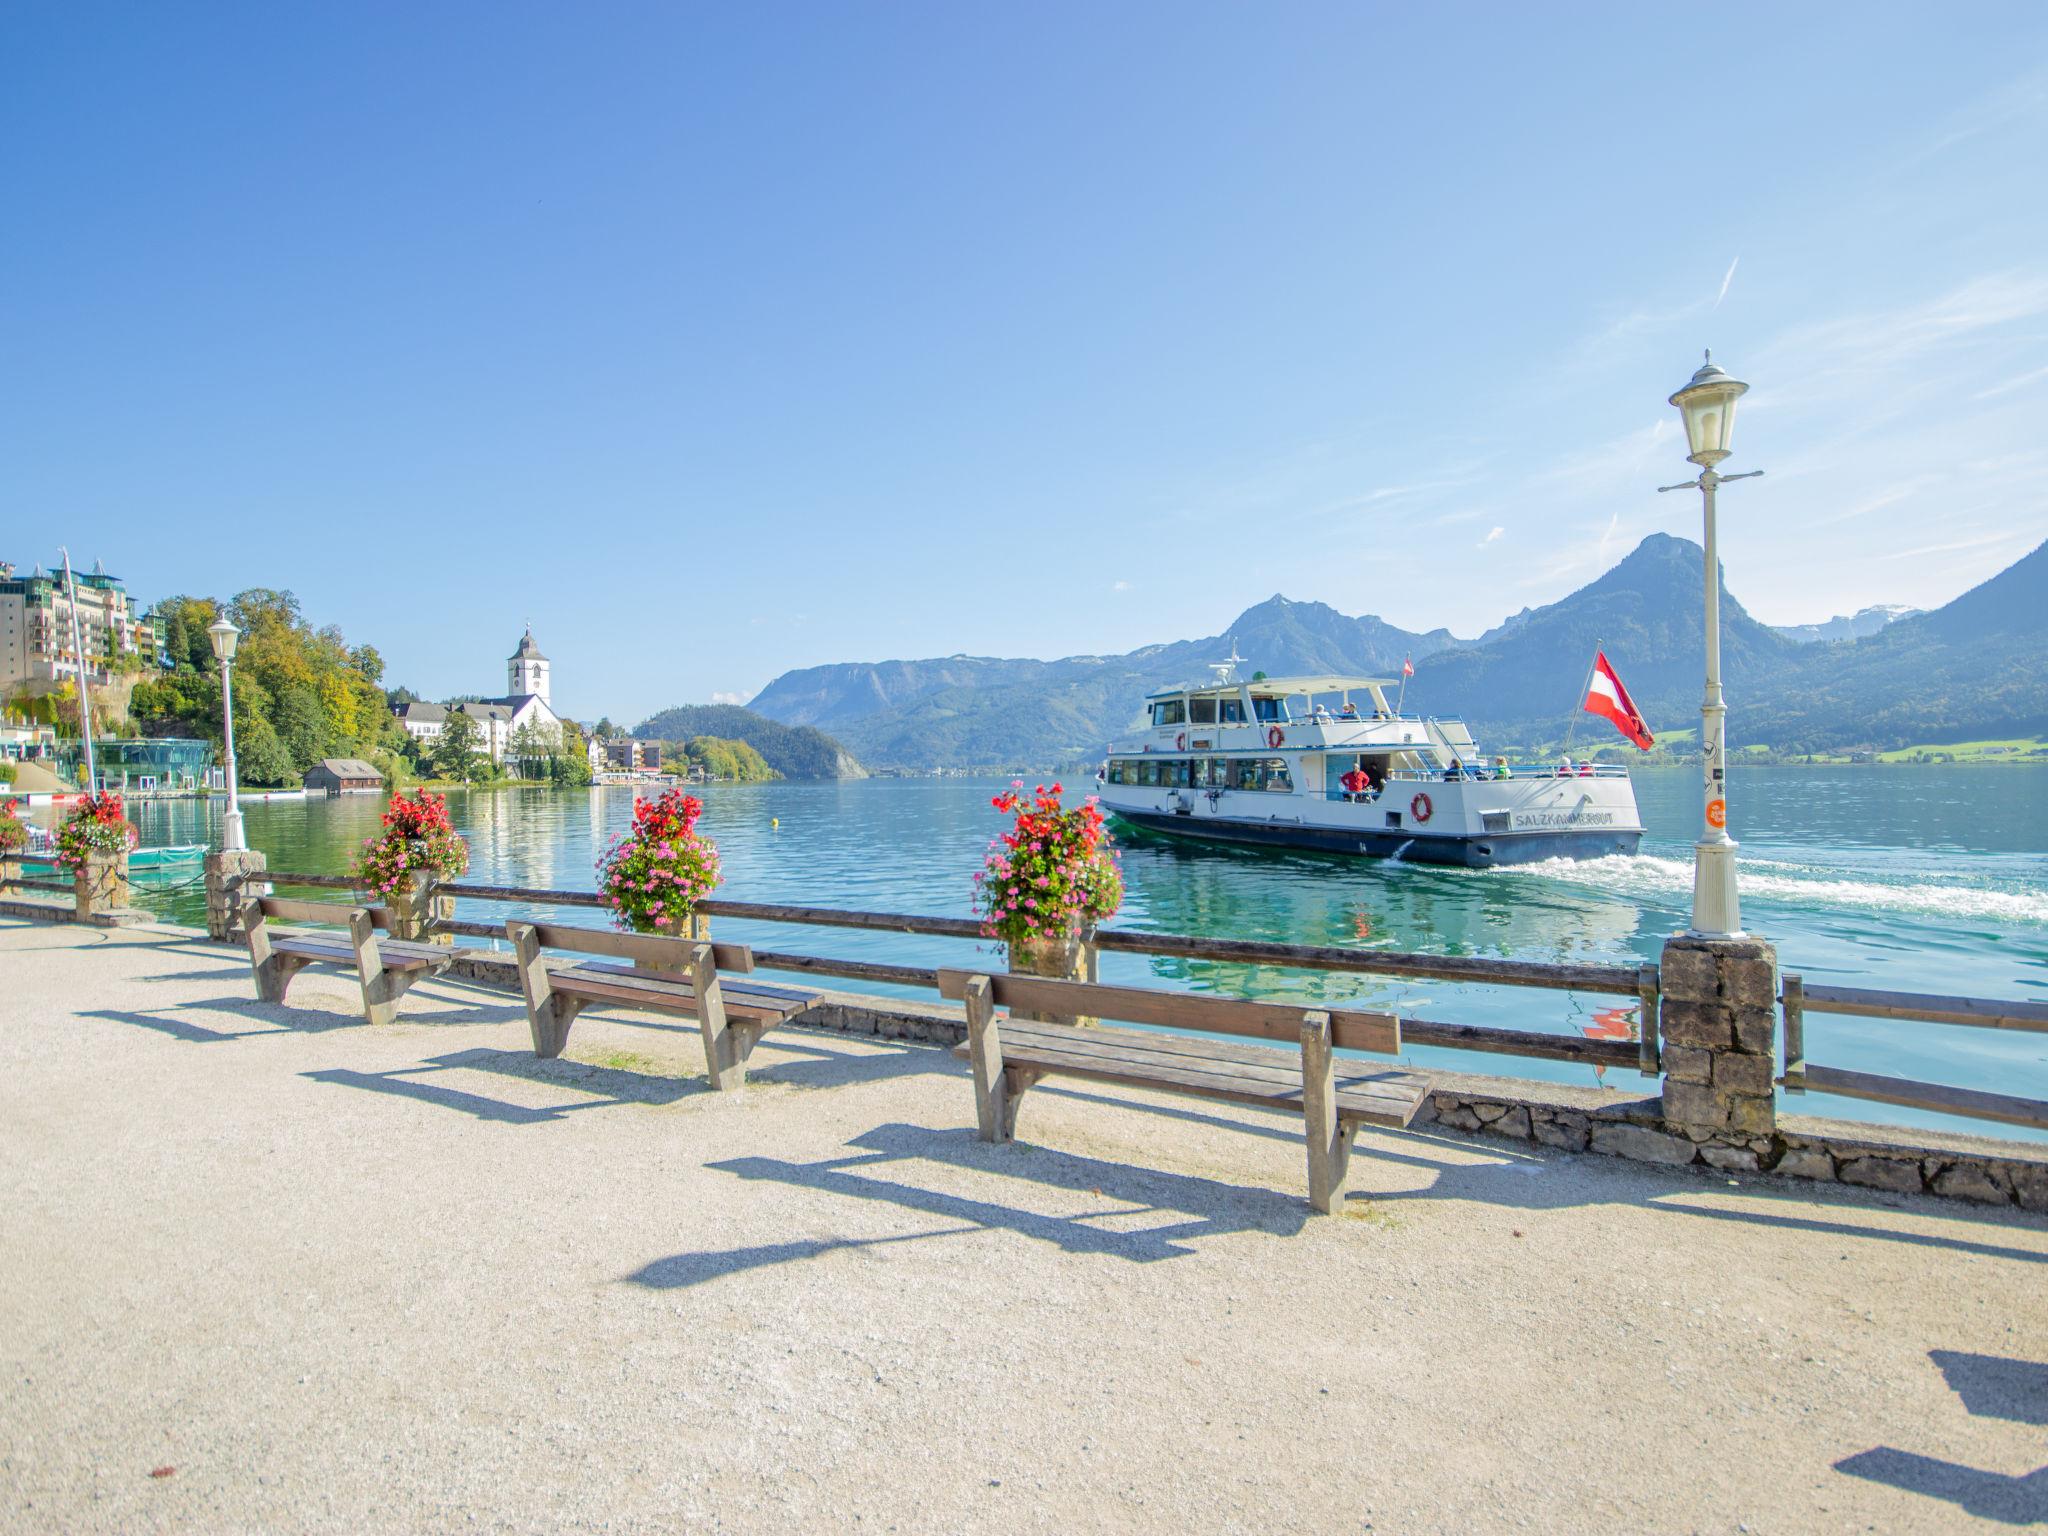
x=1922, y=878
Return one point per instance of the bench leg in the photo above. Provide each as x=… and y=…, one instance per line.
x=381, y=995
x=274, y=975
x=548, y=1017
x=1017, y=1081
x=995, y=1117
x=725, y=1049
x=1329, y=1138
x=550, y=1025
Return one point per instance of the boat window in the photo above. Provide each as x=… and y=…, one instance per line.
x=1244, y=772
x=1116, y=771
x=1202, y=711
x=1273, y=775
x=1270, y=709
x=1148, y=772
x=1168, y=712
x=1230, y=711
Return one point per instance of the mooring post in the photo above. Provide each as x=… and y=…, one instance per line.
x=229, y=883
x=1719, y=1018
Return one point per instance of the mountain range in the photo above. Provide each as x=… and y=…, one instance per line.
x=1853, y=626
x=1970, y=669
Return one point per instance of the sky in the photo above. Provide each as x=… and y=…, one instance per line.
x=720, y=340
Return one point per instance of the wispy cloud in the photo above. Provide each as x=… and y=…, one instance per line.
x=1119, y=586
x=1725, y=281
x=2011, y=384
x=726, y=696
x=2011, y=536
x=1491, y=536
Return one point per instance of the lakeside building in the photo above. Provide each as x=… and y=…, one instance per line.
x=36, y=651
x=631, y=755
x=343, y=776
x=525, y=703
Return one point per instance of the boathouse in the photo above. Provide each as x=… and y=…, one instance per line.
x=343, y=776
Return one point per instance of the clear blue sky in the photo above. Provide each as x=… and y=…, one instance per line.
x=725, y=340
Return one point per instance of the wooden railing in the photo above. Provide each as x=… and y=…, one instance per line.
x=1797, y=999
x=1638, y=981
x=32, y=883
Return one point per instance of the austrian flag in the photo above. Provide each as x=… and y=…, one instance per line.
x=1606, y=696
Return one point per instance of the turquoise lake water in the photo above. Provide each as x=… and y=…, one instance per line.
x=1917, y=878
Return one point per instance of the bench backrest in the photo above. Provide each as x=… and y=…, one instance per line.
x=668, y=954
x=292, y=911
x=1352, y=1029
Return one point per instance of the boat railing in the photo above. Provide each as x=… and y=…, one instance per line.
x=1641, y=982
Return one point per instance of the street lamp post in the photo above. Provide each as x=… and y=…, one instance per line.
x=224, y=635
x=1707, y=405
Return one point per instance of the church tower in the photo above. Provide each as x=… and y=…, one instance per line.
x=527, y=670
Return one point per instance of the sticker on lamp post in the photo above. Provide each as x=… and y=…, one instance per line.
x=1717, y=813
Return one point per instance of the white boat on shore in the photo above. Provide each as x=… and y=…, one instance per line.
x=1327, y=763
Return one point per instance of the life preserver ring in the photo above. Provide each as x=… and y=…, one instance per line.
x=1275, y=737
x=1180, y=742
x=1420, y=808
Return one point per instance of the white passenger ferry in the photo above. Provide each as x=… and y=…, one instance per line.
x=1327, y=763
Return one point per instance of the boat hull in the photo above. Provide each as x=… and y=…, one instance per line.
x=1466, y=850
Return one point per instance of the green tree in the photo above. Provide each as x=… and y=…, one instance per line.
x=457, y=754
x=571, y=769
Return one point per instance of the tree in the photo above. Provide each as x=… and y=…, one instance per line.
x=534, y=748
x=571, y=769
x=456, y=753
x=604, y=730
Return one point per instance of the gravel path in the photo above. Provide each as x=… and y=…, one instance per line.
x=337, y=1278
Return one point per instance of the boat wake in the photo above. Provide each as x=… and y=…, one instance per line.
x=1644, y=875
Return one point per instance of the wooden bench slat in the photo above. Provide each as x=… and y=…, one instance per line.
x=666, y=996
x=328, y=952
x=1124, y=1056
x=1353, y=1029
x=656, y=948
x=761, y=989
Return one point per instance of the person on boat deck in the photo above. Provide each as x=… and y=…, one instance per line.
x=1586, y=768
x=1375, y=779
x=1501, y=769
x=1455, y=772
x=1354, y=784
x=1350, y=710
x=1322, y=714
x=1564, y=767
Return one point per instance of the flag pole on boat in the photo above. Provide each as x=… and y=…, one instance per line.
x=92, y=772
x=1407, y=671
x=1579, y=704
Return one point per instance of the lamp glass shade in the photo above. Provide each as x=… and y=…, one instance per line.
x=223, y=635
x=1707, y=405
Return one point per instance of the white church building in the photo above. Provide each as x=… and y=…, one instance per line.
x=497, y=720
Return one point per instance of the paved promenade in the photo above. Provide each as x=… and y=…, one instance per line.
x=324, y=1277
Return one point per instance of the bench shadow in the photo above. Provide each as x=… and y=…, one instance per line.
x=1206, y=1207
x=824, y=1067
x=1996, y=1386
x=281, y=1019
x=686, y=1269
x=2010, y=1500
x=604, y=1087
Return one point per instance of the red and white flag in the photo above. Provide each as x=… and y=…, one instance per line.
x=1407, y=667
x=1606, y=696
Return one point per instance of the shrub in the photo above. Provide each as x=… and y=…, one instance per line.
x=418, y=840
x=1052, y=874
x=653, y=876
x=96, y=825
x=13, y=835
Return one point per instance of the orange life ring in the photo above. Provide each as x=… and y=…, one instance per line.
x=1421, y=809
x=1275, y=736
x=1180, y=742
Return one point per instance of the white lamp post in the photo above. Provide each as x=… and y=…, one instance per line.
x=224, y=635
x=1708, y=406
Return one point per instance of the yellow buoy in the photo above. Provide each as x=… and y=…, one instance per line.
x=774, y=821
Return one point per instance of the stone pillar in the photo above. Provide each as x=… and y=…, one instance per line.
x=1059, y=960
x=229, y=882
x=100, y=886
x=1719, y=1022
x=415, y=910
x=10, y=874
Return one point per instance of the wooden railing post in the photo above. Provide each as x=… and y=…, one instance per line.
x=1792, y=998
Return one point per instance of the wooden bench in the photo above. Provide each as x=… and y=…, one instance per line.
x=386, y=967
x=1008, y=1058
x=684, y=980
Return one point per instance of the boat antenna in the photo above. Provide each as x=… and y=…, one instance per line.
x=1226, y=671
x=92, y=772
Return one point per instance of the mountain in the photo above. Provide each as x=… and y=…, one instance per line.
x=795, y=752
x=983, y=711
x=1854, y=626
x=1970, y=670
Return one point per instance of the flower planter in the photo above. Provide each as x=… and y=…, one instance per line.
x=1058, y=960
x=100, y=884
x=415, y=911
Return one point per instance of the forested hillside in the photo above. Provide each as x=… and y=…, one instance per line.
x=795, y=752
